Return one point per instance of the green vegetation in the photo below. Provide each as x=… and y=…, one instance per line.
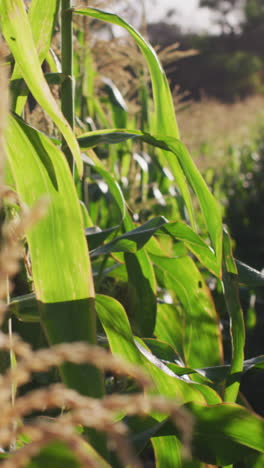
x=227, y=65
x=128, y=285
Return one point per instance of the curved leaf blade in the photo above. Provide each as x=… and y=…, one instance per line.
x=122, y=343
x=166, y=122
x=18, y=34
x=42, y=17
x=249, y=276
x=60, y=261
x=236, y=319
x=62, y=230
x=113, y=185
x=131, y=241
x=224, y=434
x=199, y=335
x=173, y=147
x=165, y=119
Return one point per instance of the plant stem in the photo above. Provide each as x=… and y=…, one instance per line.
x=79, y=315
x=67, y=87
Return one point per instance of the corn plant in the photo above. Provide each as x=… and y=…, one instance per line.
x=139, y=289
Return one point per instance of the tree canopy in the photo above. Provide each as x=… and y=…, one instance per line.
x=252, y=10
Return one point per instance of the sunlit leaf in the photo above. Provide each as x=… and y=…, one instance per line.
x=18, y=34
x=226, y=433
x=176, y=151
x=198, y=331
x=122, y=342
x=164, y=113
x=236, y=318
x=42, y=17
x=58, y=455
x=58, y=248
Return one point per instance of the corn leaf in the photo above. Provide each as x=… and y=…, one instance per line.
x=236, y=319
x=133, y=240
x=122, y=342
x=249, y=276
x=18, y=34
x=199, y=334
x=165, y=120
x=167, y=452
x=226, y=433
x=175, y=150
x=193, y=242
x=61, y=267
x=142, y=290
x=222, y=434
x=42, y=17
x=161, y=92
x=59, y=455
x=113, y=185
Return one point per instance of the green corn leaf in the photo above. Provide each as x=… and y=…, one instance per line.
x=254, y=461
x=61, y=267
x=165, y=120
x=248, y=276
x=222, y=434
x=117, y=101
x=163, y=351
x=174, y=334
x=97, y=236
x=168, y=449
x=210, y=396
x=113, y=185
x=64, y=457
x=168, y=355
x=166, y=123
x=133, y=240
x=18, y=34
x=176, y=151
x=142, y=291
x=237, y=327
x=226, y=433
x=42, y=17
x=194, y=243
x=47, y=175
x=58, y=455
x=199, y=334
x=122, y=342
x=167, y=452
x=25, y=308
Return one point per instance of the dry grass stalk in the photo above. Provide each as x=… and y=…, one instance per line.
x=64, y=429
x=124, y=451
x=103, y=420
x=18, y=346
x=11, y=248
x=77, y=353
x=99, y=414
x=142, y=404
x=41, y=435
